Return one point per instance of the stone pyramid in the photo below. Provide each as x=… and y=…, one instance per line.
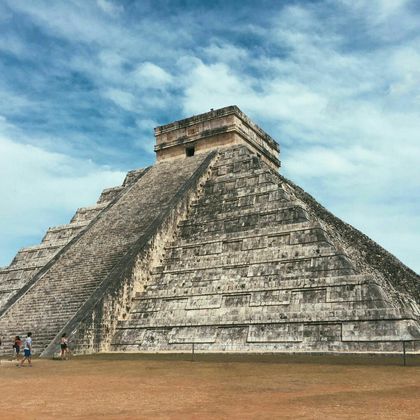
x=210, y=246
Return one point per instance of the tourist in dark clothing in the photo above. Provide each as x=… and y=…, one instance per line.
x=64, y=344
x=16, y=347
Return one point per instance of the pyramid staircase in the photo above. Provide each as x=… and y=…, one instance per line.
x=30, y=260
x=89, y=255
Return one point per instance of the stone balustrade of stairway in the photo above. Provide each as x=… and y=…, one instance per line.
x=85, y=262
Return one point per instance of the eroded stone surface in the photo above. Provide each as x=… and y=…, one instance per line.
x=58, y=295
x=255, y=268
x=215, y=129
x=216, y=250
x=30, y=260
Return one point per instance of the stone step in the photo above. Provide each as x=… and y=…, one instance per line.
x=63, y=233
x=195, y=229
x=275, y=266
x=285, y=240
x=262, y=315
x=268, y=231
x=232, y=253
x=286, y=299
x=274, y=336
x=217, y=212
x=133, y=176
x=199, y=285
x=110, y=194
x=252, y=284
x=220, y=306
x=87, y=214
x=264, y=202
x=243, y=196
x=236, y=163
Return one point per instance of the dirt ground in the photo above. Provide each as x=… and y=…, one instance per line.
x=123, y=386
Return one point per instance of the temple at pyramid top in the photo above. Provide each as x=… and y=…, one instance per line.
x=218, y=128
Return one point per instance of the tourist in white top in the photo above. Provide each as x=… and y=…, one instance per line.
x=27, y=350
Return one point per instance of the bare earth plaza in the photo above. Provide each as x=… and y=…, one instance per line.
x=214, y=387
x=209, y=209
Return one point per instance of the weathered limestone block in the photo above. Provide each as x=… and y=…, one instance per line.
x=190, y=335
x=110, y=194
x=204, y=302
x=275, y=333
x=86, y=214
x=389, y=330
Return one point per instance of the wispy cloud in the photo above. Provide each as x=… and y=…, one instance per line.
x=149, y=75
x=336, y=82
x=125, y=100
x=110, y=7
x=43, y=189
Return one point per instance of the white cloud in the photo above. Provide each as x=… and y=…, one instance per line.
x=149, y=75
x=12, y=103
x=348, y=120
x=405, y=72
x=111, y=58
x=12, y=44
x=386, y=20
x=337, y=83
x=225, y=52
x=212, y=86
x=125, y=100
x=146, y=125
x=378, y=10
x=76, y=21
x=43, y=188
x=320, y=162
x=146, y=140
x=109, y=7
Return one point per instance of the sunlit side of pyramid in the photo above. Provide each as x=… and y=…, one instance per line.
x=210, y=246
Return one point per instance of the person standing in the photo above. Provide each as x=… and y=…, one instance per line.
x=64, y=344
x=16, y=347
x=27, y=350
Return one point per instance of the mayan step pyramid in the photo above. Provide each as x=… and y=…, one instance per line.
x=210, y=247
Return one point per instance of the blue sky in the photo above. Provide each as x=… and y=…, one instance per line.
x=337, y=83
